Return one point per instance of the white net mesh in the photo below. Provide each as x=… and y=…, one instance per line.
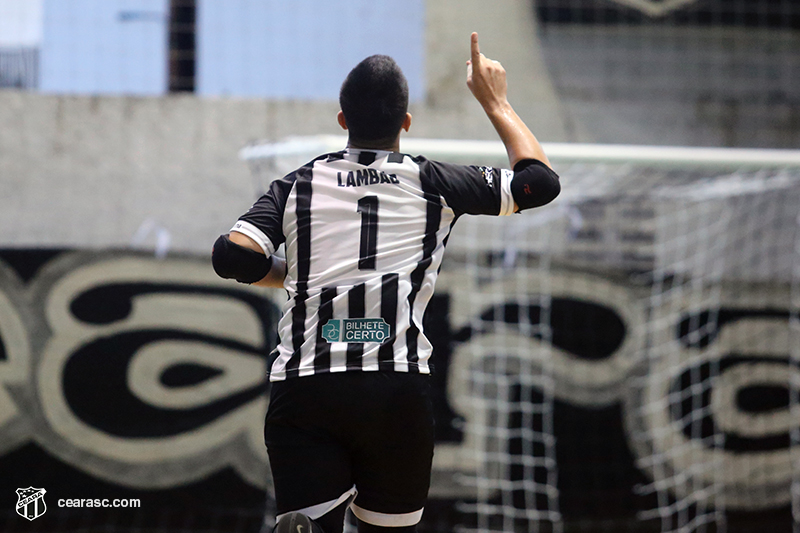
x=501, y=383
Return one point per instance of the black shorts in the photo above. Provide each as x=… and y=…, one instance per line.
x=373, y=431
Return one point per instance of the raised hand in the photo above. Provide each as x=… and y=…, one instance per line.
x=486, y=78
x=487, y=81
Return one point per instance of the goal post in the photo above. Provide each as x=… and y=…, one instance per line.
x=457, y=150
x=655, y=300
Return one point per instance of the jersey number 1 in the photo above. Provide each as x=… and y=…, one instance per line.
x=368, y=207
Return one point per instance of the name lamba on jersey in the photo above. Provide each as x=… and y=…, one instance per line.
x=368, y=176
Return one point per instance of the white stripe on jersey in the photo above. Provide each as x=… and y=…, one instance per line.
x=256, y=234
x=506, y=198
x=372, y=307
x=339, y=349
x=308, y=353
x=400, y=358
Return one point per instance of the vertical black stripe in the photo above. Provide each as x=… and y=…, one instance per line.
x=433, y=217
x=389, y=291
x=366, y=158
x=322, y=357
x=303, y=211
x=447, y=237
x=356, y=308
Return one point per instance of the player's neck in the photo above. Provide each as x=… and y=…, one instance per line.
x=383, y=146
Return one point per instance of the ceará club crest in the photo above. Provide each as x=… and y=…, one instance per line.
x=30, y=503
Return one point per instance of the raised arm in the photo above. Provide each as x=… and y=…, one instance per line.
x=487, y=81
x=534, y=183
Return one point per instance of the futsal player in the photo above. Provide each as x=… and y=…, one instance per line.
x=350, y=422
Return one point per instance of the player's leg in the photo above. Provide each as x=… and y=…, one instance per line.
x=392, y=465
x=332, y=521
x=311, y=469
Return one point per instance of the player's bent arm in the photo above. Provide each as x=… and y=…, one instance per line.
x=237, y=256
x=277, y=272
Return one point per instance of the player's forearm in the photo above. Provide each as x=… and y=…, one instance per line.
x=276, y=275
x=518, y=139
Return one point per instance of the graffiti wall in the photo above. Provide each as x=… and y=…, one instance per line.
x=133, y=391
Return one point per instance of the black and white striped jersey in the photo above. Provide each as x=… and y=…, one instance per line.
x=364, y=232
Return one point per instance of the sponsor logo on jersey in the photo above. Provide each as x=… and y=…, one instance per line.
x=355, y=330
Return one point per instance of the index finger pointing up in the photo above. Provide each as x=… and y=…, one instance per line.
x=475, y=49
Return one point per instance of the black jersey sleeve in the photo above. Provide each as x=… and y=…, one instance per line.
x=264, y=221
x=478, y=190
x=469, y=189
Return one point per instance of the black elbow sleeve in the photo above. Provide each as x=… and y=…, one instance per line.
x=232, y=261
x=534, y=184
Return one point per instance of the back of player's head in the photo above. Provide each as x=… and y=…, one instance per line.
x=374, y=100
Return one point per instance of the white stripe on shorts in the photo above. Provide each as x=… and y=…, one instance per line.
x=315, y=511
x=387, y=520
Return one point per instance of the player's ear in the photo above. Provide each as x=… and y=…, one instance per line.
x=407, y=122
x=341, y=120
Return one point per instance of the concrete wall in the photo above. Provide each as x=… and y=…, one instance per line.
x=89, y=171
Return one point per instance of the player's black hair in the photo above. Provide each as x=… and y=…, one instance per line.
x=374, y=100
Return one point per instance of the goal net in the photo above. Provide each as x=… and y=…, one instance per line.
x=625, y=358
